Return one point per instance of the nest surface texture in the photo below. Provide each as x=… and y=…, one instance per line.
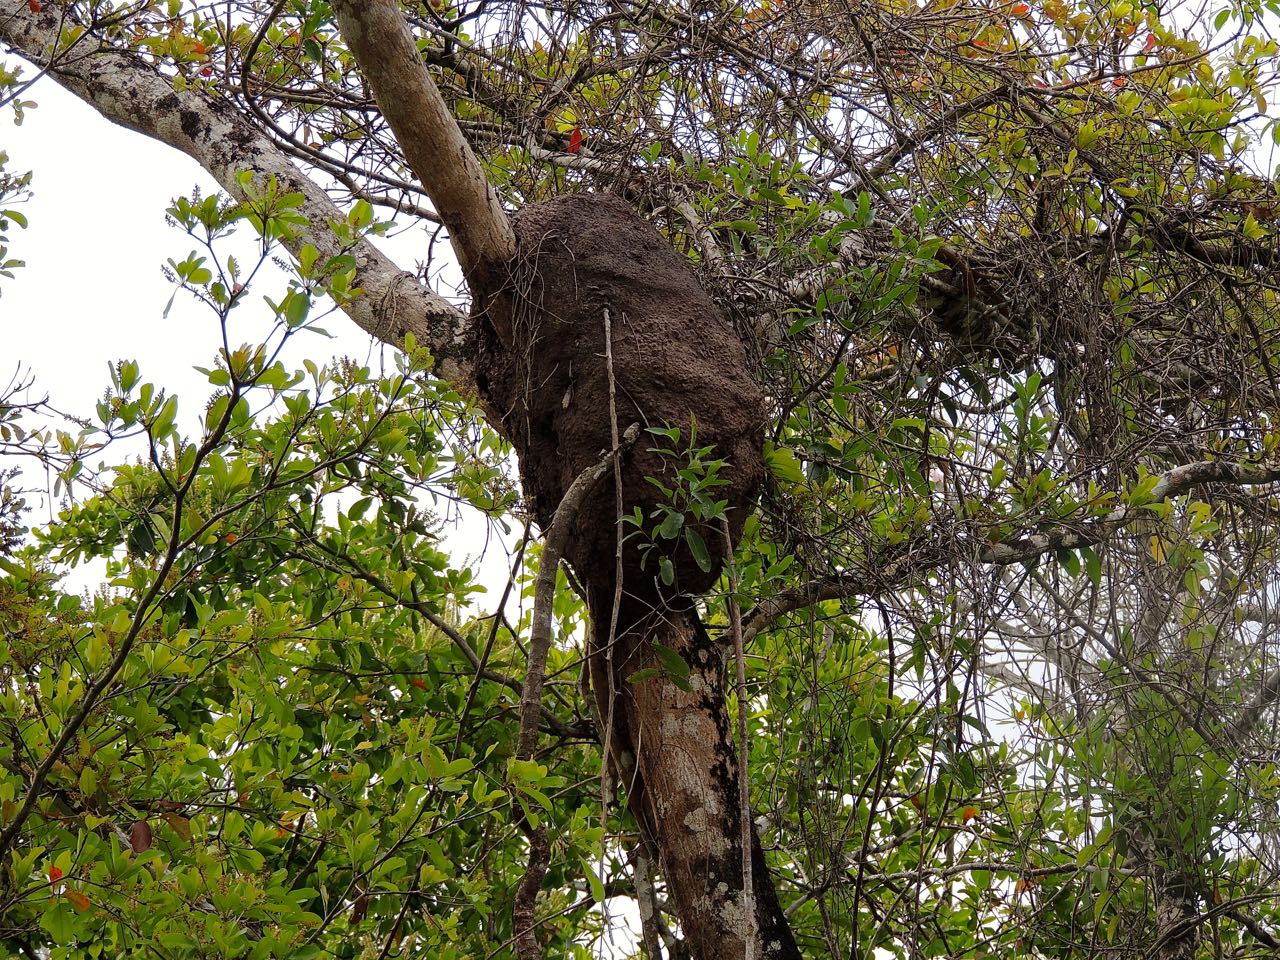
x=675, y=359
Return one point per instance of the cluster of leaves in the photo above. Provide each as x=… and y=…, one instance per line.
x=13, y=190
x=689, y=511
x=266, y=733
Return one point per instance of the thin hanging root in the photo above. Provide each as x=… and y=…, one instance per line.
x=744, y=795
x=607, y=743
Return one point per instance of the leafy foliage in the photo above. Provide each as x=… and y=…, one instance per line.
x=1004, y=268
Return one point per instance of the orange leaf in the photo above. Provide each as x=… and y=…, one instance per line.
x=968, y=813
x=1020, y=9
x=419, y=683
x=55, y=873
x=78, y=900
x=1150, y=44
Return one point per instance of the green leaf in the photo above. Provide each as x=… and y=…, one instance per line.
x=670, y=525
x=674, y=665
x=593, y=881
x=698, y=547
x=296, y=308
x=782, y=463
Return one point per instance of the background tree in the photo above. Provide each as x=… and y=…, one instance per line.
x=1005, y=277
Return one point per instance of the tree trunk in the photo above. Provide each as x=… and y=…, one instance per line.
x=685, y=786
x=1177, y=918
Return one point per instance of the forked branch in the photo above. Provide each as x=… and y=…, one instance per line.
x=196, y=121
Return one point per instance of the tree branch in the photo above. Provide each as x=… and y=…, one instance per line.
x=1174, y=483
x=545, y=588
x=128, y=91
x=526, y=901
x=876, y=577
x=433, y=145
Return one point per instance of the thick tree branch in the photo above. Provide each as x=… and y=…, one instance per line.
x=433, y=145
x=132, y=93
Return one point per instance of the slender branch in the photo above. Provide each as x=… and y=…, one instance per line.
x=1175, y=483
x=545, y=588
x=615, y=608
x=744, y=746
x=875, y=578
x=647, y=901
x=544, y=593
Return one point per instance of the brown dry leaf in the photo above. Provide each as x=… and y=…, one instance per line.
x=140, y=836
x=180, y=824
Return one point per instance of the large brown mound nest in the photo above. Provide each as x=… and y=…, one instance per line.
x=675, y=358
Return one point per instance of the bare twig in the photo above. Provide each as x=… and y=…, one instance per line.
x=744, y=746
x=545, y=589
x=616, y=606
x=647, y=901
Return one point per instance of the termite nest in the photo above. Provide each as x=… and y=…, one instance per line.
x=584, y=261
